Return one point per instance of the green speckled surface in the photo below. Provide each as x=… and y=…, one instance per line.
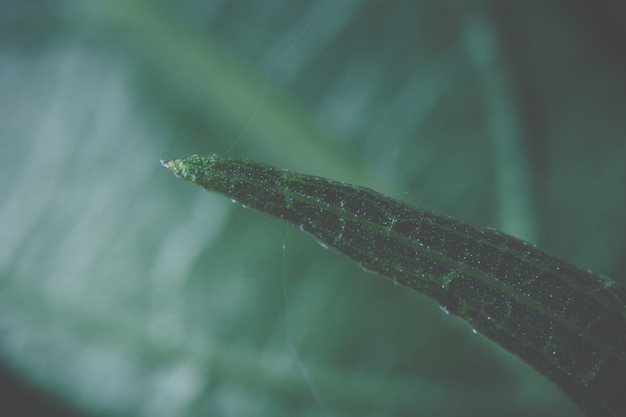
x=569, y=323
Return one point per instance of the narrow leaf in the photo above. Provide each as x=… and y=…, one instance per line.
x=569, y=323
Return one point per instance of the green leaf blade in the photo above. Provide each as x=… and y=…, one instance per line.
x=568, y=323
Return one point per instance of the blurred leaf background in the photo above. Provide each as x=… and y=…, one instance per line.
x=124, y=291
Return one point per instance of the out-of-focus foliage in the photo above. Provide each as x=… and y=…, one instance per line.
x=124, y=292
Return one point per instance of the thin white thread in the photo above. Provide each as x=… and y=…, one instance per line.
x=279, y=61
x=304, y=372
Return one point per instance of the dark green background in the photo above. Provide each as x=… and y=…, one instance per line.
x=124, y=291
